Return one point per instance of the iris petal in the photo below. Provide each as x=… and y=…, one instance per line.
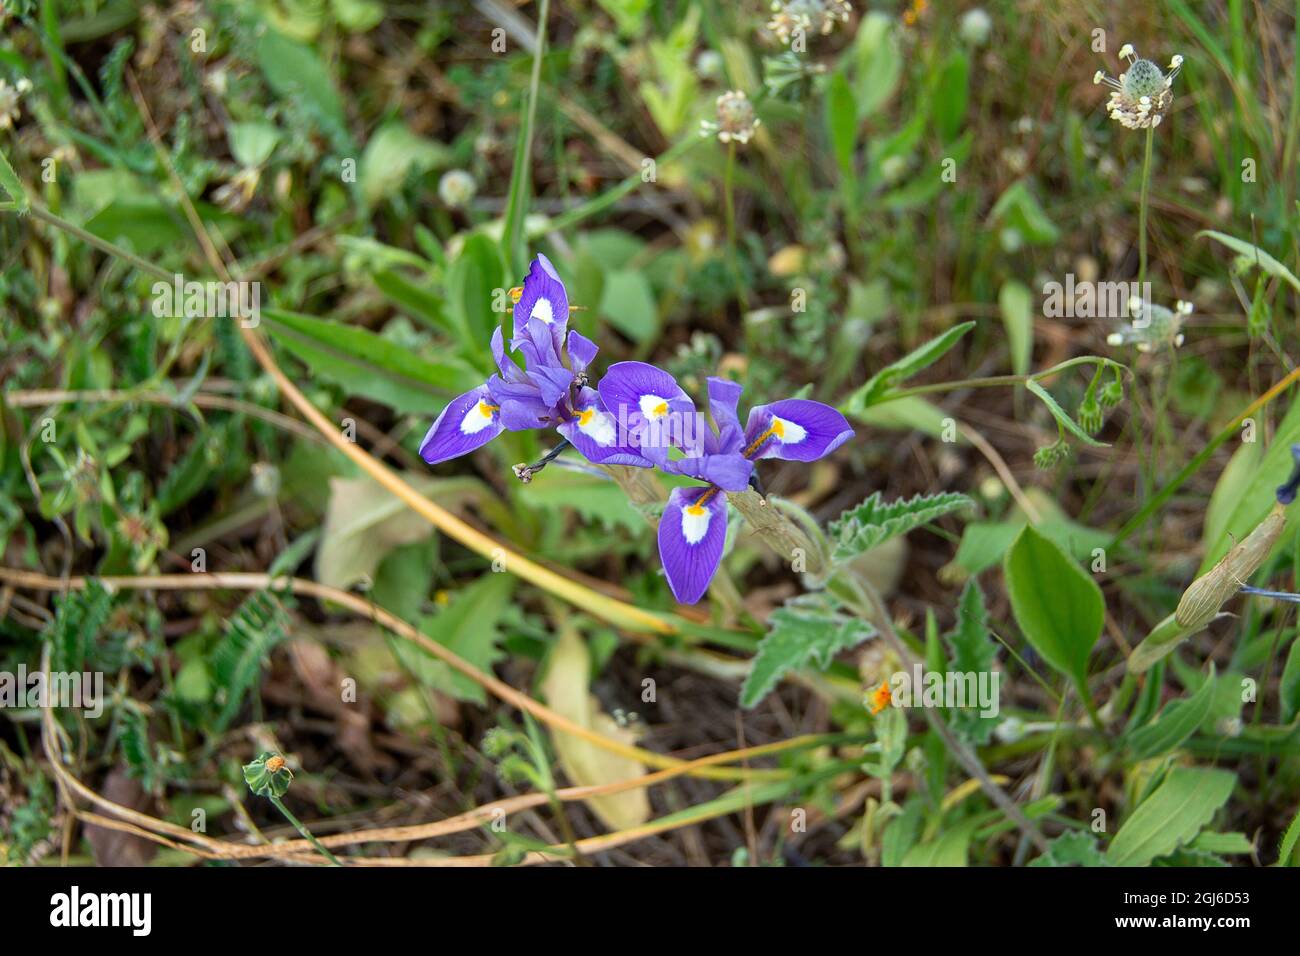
x=796, y=429
x=692, y=535
x=469, y=421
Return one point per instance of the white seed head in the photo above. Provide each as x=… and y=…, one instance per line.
x=456, y=188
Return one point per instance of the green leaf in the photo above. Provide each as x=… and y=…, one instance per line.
x=252, y=143
x=422, y=304
x=595, y=498
x=973, y=652
x=1016, y=303
x=364, y=522
x=78, y=619
x=259, y=624
x=984, y=543
x=872, y=522
x=392, y=154
x=1075, y=848
x=841, y=121
x=951, y=848
x=470, y=628
x=1058, y=605
x=1255, y=256
x=1062, y=416
x=1019, y=209
x=12, y=186
x=1172, y=815
x=807, y=628
x=1286, y=849
x=911, y=363
x=472, y=282
x=911, y=413
x=952, y=90
x=1207, y=841
x=628, y=303
x=369, y=365
x=1176, y=723
x=295, y=72
x=878, y=64
x=1250, y=497
x=901, y=833
x=1288, y=691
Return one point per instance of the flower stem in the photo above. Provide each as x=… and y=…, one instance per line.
x=729, y=205
x=1142, y=209
x=279, y=805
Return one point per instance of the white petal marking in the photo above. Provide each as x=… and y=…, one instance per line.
x=653, y=407
x=597, y=426
x=542, y=310
x=788, y=432
x=477, y=418
x=695, y=523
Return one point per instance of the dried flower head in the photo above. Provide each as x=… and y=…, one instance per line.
x=456, y=188
x=1141, y=96
x=792, y=17
x=1153, y=326
x=9, y=105
x=975, y=27
x=736, y=119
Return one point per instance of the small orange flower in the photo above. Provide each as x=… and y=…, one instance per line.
x=880, y=698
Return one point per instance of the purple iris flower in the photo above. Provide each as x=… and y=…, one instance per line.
x=550, y=391
x=693, y=529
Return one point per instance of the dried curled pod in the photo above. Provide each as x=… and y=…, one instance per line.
x=1203, y=598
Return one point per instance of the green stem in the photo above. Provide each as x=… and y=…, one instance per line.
x=729, y=206
x=38, y=211
x=994, y=381
x=1193, y=466
x=1142, y=208
x=279, y=805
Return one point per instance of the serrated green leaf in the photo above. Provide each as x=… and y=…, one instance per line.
x=296, y=73
x=79, y=617
x=1172, y=815
x=259, y=624
x=807, y=628
x=872, y=522
x=1176, y=723
x=973, y=652
x=911, y=363
x=470, y=628
x=1058, y=605
x=1075, y=848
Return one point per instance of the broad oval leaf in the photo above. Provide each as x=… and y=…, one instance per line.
x=1057, y=604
